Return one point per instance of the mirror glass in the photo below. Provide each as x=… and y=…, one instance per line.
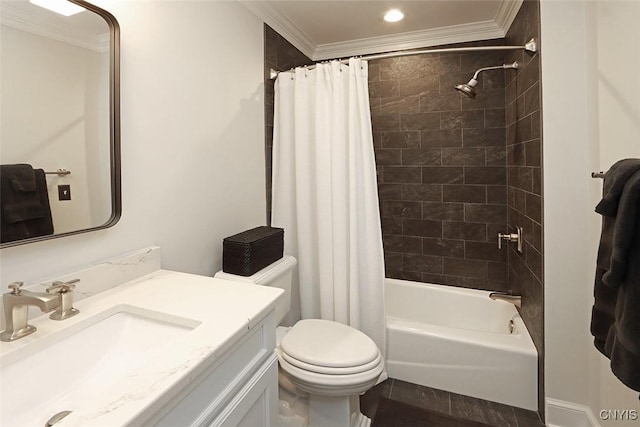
x=59, y=121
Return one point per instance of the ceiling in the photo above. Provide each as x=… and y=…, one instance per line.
x=343, y=28
x=86, y=29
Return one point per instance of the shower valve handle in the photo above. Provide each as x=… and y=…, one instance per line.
x=512, y=237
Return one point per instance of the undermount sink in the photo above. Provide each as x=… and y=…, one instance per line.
x=50, y=374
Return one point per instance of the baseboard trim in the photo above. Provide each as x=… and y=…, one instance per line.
x=560, y=413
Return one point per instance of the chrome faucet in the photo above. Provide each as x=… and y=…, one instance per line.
x=16, y=307
x=502, y=296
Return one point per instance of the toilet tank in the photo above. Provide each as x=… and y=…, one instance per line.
x=277, y=275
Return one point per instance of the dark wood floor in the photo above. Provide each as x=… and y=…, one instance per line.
x=456, y=405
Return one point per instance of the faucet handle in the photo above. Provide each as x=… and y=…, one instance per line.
x=59, y=287
x=16, y=288
x=65, y=293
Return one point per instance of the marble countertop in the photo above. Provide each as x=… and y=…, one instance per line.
x=223, y=310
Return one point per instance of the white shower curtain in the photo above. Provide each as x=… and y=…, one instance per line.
x=325, y=195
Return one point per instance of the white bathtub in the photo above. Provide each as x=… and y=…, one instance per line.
x=459, y=340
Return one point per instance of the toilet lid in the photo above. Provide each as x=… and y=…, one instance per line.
x=329, y=344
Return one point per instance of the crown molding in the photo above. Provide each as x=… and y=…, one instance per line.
x=282, y=25
x=410, y=40
x=483, y=30
x=506, y=13
x=19, y=20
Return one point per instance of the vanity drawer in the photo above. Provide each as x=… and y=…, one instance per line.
x=212, y=391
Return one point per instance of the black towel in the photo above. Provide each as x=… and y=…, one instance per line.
x=602, y=315
x=24, y=214
x=614, y=182
x=615, y=321
x=20, y=176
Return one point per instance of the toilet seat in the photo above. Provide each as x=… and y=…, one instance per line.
x=327, y=344
x=331, y=371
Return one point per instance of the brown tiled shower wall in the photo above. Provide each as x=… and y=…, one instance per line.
x=524, y=177
x=441, y=162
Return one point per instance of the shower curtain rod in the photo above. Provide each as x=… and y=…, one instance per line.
x=530, y=47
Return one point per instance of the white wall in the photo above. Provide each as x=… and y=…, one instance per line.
x=566, y=190
x=99, y=153
x=590, y=119
x=192, y=140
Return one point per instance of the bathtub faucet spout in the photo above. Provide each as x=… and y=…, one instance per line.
x=513, y=299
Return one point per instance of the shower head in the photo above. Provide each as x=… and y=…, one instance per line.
x=469, y=89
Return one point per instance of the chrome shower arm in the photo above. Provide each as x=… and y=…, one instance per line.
x=514, y=65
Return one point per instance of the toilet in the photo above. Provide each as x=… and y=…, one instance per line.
x=331, y=362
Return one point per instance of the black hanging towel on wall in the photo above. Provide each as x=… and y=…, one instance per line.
x=615, y=319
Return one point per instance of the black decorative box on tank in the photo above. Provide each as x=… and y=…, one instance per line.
x=248, y=252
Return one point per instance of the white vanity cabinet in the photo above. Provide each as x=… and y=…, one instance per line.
x=240, y=389
x=166, y=349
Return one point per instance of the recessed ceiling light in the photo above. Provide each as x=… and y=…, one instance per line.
x=393, y=15
x=63, y=7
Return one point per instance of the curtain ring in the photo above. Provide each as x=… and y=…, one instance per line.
x=292, y=72
x=340, y=62
x=305, y=72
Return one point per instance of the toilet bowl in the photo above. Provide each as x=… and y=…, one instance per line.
x=331, y=362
